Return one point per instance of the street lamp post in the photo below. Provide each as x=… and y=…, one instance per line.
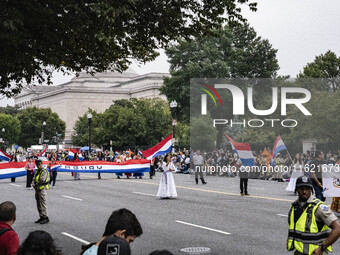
x=89, y=117
x=43, y=132
x=173, y=106
x=3, y=138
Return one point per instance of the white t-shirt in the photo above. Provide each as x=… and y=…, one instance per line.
x=93, y=250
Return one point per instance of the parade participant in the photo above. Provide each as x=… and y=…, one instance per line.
x=198, y=163
x=153, y=162
x=118, y=160
x=243, y=176
x=29, y=167
x=9, y=240
x=38, y=242
x=13, y=159
x=76, y=175
x=122, y=223
x=53, y=172
x=308, y=222
x=41, y=184
x=140, y=175
x=297, y=170
x=167, y=187
x=315, y=168
x=278, y=164
x=126, y=156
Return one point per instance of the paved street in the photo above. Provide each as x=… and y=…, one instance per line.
x=213, y=215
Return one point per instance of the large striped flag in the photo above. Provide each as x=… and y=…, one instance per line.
x=244, y=152
x=278, y=146
x=4, y=156
x=71, y=153
x=17, y=169
x=159, y=149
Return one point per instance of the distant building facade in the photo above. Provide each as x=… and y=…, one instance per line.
x=73, y=99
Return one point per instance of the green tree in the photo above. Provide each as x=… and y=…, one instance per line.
x=39, y=37
x=81, y=135
x=134, y=122
x=202, y=133
x=183, y=135
x=11, y=110
x=233, y=52
x=9, y=128
x=325, y=66
x=31, y=120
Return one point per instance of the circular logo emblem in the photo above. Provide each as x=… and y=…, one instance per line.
x=336, y=183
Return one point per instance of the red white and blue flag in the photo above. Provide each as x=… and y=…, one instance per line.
x=17, y=169
x=71, y=153
x=43, y=153
x=159, y=149
x=4, y=156
x=12, y=169
x=278, y=146
x=244, y=152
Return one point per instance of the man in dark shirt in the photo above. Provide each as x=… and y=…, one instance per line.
x=9, y=240
x=316, y=174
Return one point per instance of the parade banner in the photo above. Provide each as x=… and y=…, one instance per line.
x=17, y=169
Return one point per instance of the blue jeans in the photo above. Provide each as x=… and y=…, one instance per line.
x=318, y=193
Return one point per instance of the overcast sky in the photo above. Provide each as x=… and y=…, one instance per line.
x=299, y=29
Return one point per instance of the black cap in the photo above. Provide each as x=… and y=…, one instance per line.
x=38, y=161
x=114, y=245
x=304, y=181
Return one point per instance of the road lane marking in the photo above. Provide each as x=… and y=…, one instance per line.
x=283, y=215
x=78, y=199
x=140, y=193
x=16, y=185
x=73, y=182
x=75, y=238
x=198, y=226
x=198, y=189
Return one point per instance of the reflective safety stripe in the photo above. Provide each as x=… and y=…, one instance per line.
x=308, y=236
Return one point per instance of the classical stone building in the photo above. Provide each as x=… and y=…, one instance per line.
x=73, y=99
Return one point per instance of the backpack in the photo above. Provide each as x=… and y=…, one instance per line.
x=4, y=230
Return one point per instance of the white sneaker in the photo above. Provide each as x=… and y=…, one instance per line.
x=53, y=187
x=30, y=187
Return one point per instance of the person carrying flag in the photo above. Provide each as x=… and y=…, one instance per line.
x=53, y=171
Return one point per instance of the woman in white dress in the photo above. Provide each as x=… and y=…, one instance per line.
x=167, y=187
x=297, y=171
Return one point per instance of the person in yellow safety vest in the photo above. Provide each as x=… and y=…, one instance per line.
x=41, y=183
x=308, y=221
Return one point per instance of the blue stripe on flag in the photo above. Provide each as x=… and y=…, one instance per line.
x=248, y=161
x=160, y=153
x=280, y=148
x=4, y=158
x=12, y=175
